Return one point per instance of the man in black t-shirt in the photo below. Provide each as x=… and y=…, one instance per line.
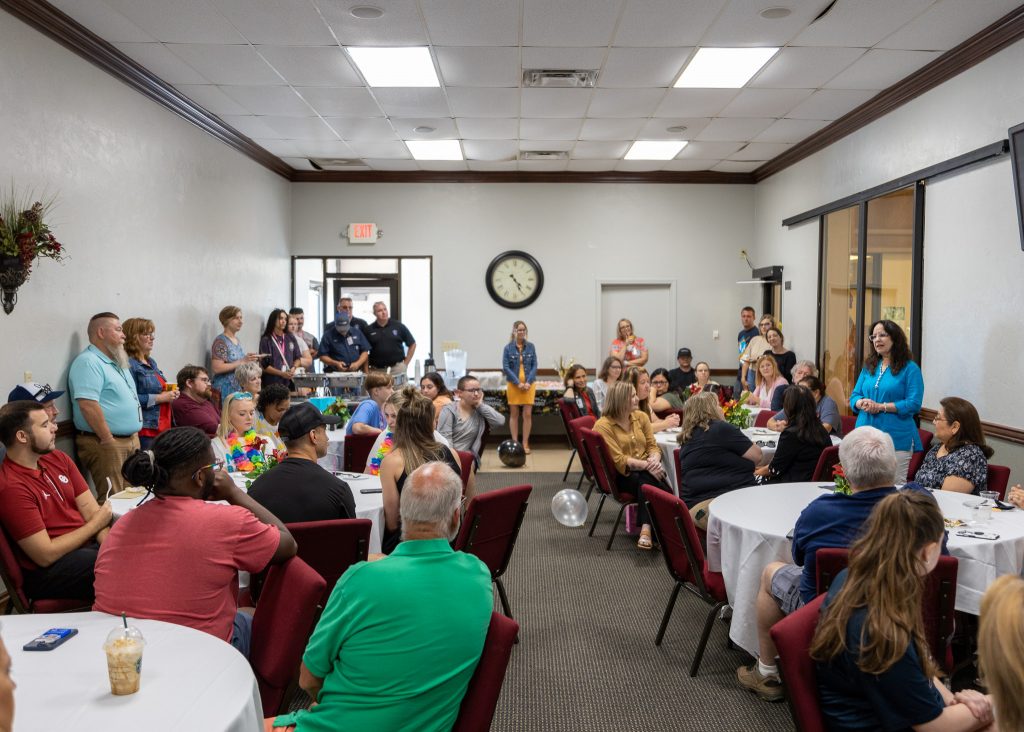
x=388, y=340
x=683, y=376
x=298, y=489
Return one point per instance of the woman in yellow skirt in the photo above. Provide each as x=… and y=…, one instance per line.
x=519, y=362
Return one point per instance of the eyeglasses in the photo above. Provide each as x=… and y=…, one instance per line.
x=940, y=419
x=214, y=466
x=477, y=390
x=659, y=382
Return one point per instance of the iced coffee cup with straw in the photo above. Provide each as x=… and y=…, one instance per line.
x=124, y=647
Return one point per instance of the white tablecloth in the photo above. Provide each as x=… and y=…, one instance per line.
x=333, y=460
x=748, y=528
x=190, y=680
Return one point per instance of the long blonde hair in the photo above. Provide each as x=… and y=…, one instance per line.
x=699, y=411
x=414, y=430
x=617, y=403
x=225, y=412
x=633, y=376
x=759, y=379
x=1001, y=648
x=884, y=579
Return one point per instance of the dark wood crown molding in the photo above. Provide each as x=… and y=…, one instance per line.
x=1005, y=31
x=456, y=176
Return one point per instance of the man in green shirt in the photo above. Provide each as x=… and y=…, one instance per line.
x=401, y=637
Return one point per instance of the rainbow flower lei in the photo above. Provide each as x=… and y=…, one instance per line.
x=245, y=452
x=384, y=449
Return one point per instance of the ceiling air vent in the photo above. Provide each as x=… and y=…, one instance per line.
x=337, y=163
x=544, y=155
x=559, y=78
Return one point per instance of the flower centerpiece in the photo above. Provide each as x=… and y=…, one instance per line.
x=24, y=237
x=338, y=409
x=735, y=412
x=562, y=366
x=842, y=484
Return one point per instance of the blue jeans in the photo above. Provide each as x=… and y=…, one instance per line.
x=241, y=633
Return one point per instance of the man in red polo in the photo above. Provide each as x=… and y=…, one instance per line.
x=46, y=507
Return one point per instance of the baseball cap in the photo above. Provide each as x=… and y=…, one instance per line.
x=41, y=393
x=684, y=353
x=302, y=418
x=341, y=318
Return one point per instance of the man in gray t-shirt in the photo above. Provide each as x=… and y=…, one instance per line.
x=462, y=421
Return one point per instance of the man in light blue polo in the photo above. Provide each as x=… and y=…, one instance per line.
x=104, y=403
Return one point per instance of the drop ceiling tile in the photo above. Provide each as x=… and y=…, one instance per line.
x=592, y=166
x=657, y=128
x=765, y=102
x=371, y=149
x=666, y=22
x=483, y=102
x=724, y=129
x=830, y=103
x=300, y=128
x=281, y=148
x=734, y=166
x=546, y=145
x=761, y=151
x=103, y=20
x=211, y=98
x=311, y=65
x=391, y=164
x=324, y=148
x=694, y=102
x=444, y=128
x=273, y=100
x=490, y=149
x=479, y=66
x=640, y=67
x=639, y=166
x=476, y=128
x=880, y=69
x=709, y=150
x=250, y=125
x=546, y=166
x=946, y=24
x=472, y=22
x=690, y=164
x=156, y=58
x=349, y=102
x=281, y=22
x=493, y=166
x=299, y=163
x=805, y=67
x=412, y=102
x=569, y=22
x=236, y=65
x=399, y=26
x=549, y=129
x=563, y=58
x=611, y=129
x=790, y=130
x=625, y=102
x=555, y=102
x=443, y=164
x=183, y=21
x=740, y=23
x=370, y=130
x=863, y=23
x=600, y=150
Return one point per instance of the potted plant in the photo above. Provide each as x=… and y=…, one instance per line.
x=24, y=237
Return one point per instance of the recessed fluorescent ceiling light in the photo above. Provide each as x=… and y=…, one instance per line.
x=655, y=149
x=723, y=68
x=410, y=66
x=435, y=149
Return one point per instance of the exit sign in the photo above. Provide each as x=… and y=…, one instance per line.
x=363, y=233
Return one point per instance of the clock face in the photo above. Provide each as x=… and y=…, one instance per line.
x=514, y=279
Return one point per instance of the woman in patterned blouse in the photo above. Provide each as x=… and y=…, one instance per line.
x=959, y=462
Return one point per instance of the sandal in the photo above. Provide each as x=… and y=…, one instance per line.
x=644, y=542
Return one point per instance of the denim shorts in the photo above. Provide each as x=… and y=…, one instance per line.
x=786, y=587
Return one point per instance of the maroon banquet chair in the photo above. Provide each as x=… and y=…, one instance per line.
x=792, y=637
x=281, y=628
x=761, y=420
x=916, y=458
x=568, y=412
x=331, y=547
x=998, y=479
x=574, y=431
x=926, y=439
x=354, y=452
x=477, y=709
x=686, y=562
x=604, y=476
x=828, y=459
x=490, y=528
x=466, y=462
x=14, y=580
x=849, y=424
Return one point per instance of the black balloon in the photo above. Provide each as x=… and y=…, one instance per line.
x=512, y=454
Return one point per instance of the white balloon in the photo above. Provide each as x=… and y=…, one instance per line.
x=569, y=507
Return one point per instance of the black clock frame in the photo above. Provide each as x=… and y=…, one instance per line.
x=514, y=253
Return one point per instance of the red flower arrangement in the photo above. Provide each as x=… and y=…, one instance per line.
x=25, y=234
x=839, y=476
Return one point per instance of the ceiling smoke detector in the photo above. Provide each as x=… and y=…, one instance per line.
x=544, y=155
x=366, y=12
x=337, y=163
x=559, y=78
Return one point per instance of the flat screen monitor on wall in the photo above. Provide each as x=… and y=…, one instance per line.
x=1017, y=161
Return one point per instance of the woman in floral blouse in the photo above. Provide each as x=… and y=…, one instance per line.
x=959, y=462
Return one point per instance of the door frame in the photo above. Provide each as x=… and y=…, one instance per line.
x=599, y=284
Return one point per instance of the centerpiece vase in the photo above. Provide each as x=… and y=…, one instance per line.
x=12, y=276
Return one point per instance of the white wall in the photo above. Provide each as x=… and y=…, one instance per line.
x=581, y=234
x=973, y=268
x=160, y=220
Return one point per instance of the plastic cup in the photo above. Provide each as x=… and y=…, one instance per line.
x=990, y=498
x=124, y=648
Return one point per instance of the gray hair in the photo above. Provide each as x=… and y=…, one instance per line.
x=808, y=364
x=247, y=371
x=868, y=458
x=431, y=496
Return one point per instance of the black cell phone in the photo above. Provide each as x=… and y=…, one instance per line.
x=371, y=490
x=50, y=639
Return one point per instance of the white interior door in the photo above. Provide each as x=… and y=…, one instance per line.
x=651, y=308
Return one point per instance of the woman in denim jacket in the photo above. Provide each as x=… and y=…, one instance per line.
x=519, y=362
x=149, y=379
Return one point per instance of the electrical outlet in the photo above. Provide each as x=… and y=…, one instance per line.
x=28, y=377
x=714, y=334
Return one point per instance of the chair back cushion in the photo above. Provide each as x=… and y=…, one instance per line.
x=568, y=412
x=491, y=525
x=677, y=535
x=998, y=479
x=792, y=636
x=481, y=699
x=761, y=420
x=849, y=424
x=916, y=458
x=828, y=562
x=331, y=547
x=575, y=426
x=926, y=439
x=10, y=572
x=466, y=460
x=826, y=461
x=604, y=470
x=355, y=451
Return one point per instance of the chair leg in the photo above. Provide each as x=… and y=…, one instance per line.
x=596, y=515
x=569, y=465
x=668, y=614
x=615, y=528
x=708, y=625
x=503, y=597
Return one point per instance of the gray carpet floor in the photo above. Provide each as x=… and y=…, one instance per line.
x=586, y=658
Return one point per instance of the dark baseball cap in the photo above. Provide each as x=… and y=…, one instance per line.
x=302, y=418
x=684, y=353
x=341, y=318
x=31, y=392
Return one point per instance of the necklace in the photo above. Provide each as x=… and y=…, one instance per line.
x=881, y=372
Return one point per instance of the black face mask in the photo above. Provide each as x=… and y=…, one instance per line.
x=342, y=329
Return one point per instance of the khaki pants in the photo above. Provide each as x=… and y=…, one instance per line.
x=104, y=461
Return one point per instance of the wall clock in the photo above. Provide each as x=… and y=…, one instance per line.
x=514, y=279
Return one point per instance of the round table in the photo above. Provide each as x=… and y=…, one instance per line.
x=190, y=679
x=748, y=527
x=334, y=459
